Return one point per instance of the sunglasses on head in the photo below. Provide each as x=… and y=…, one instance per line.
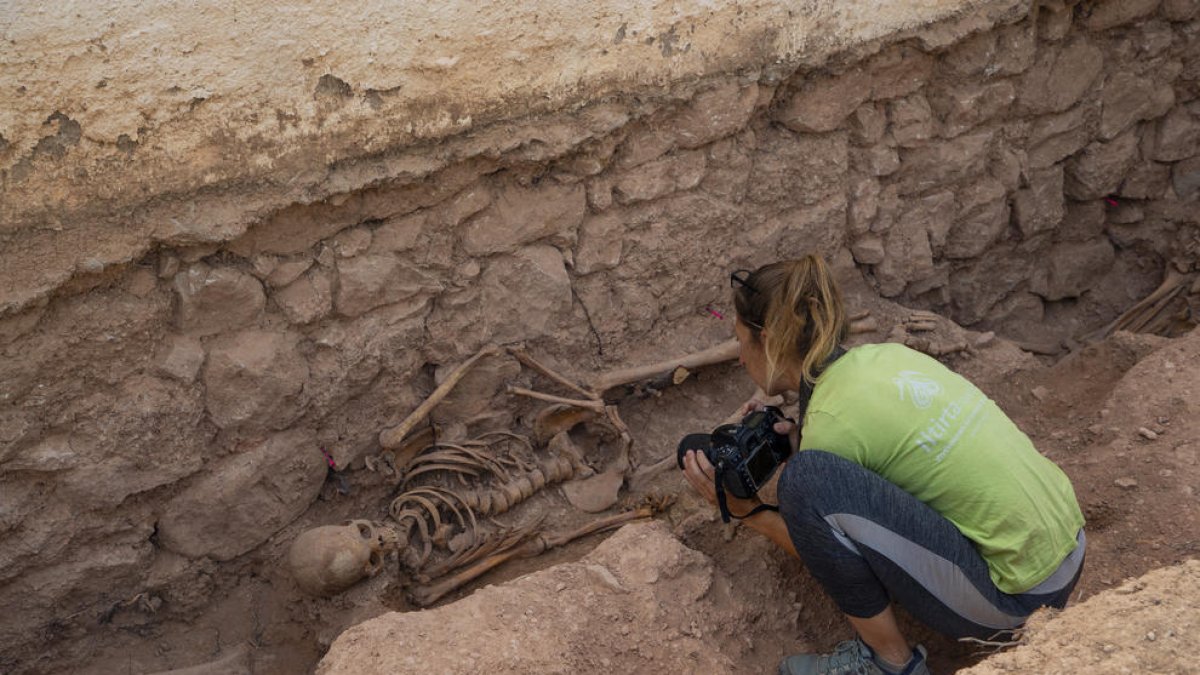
x=741, y=279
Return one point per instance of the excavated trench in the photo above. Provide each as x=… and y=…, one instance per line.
x=1013, y=192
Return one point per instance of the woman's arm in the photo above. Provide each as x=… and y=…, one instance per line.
x=770, y=524
x=699, y=472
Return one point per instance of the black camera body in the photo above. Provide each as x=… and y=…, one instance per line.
x=744, y=455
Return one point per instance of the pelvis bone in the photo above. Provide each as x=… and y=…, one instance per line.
x=329, y=559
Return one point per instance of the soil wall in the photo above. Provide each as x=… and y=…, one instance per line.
x=209, y=275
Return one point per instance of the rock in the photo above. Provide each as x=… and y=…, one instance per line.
x=1129, y=98
x=1175, y=137
x=822, y=103
x=898, y=71
x=879, y=160
x=1100, y=168
x=245, y=498
x=1060, y=77
x=180, y=357
x=1040, y=207
x=1040, y=393
x=937, y=163
x=643, y=144
x=975, y=291
x=867, y=124
x=522, y=215
x=352, y=241
x=1054, y=24
x=254, y=377
x=983, y=214
x=371, y=281
x=1083, y=221
x=600, y=242
x=868, y=250
x=1147, y=180
x=1006, y=167
x=1185, y=178
x=1126, y=482
x=307, y=299
x=1071, y=268
x=984, y=339
x=524, y=295
x=792, y=169
x=911, y=120
x=909, y=243
x=965, y=107
x=675, y=172
x=1147, y=434
x=216, y=300
x=1180, y=10
x=641, y=601
x=287, y=271
x=1056, y=137
x=399, y=234
x=864, y=204
x=1105, y=15
x=595, y=493
x=714, y=113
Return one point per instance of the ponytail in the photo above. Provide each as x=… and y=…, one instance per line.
x=799, y=308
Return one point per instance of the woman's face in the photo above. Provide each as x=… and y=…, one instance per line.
x=752, y=355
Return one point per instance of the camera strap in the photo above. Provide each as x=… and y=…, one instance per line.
x=724, y=506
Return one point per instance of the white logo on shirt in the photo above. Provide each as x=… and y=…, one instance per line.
x=920, y=389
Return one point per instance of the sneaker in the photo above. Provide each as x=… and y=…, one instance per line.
x=851, y=657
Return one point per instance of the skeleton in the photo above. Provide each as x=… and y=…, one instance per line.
x=329, y=559
x=1170, y=307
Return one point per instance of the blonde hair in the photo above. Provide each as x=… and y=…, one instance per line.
x=799, y=308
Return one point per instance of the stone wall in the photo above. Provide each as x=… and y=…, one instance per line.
x=163, y=415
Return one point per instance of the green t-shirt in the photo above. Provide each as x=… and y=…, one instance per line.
x=908, y=418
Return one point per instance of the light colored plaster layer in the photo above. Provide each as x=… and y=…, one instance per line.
x=126, y=124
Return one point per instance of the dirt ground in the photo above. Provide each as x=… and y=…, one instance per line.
x=1120, y=416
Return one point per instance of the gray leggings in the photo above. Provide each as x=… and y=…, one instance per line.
x=868, y=542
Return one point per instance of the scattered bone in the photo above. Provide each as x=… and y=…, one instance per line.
x=866, y=325
x=597, y=493
x=726, y=351
x=1126, y=482
x=1147, y=434
x=1040, y=393
x=559, y=418
x=859, y=315
x=392, y=438
x=329, y=559
x=1144, y=314
x=985, y=339
x=528, y=547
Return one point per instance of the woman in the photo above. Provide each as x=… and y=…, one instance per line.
x=909, y=484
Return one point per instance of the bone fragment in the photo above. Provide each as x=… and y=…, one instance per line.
x=392, y=438
x=529, y=547
x=596, y=493
x=726, y=351
x=595, y=405
x=1172, y=283
x=865, y=325
x=557, y=418
x=527, y=360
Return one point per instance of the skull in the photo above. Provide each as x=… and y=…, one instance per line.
x=329, y=559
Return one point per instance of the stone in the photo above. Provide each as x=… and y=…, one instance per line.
x=1040, y=206
x=675, y=172
x=1126, y=482
x=1146, y=180
x=1070, y=268
x=714, y=113
x=371, y=281
x=1006, y=166
x=525, y=295
x=288, y=271
x=471, y=200
x=522, y=215
x=1185, y=178
x=983, y=215
x=972, y=55
x=215, y=300
x=1180, y=10
x=1054, y=25
x=794, y=169
x=937, y=210
x=1016, y=47
x=1175, y=137
x=867, y=124
x=1040, y=392
x=1147, y=434
x=898, y=71
x=822, y=103
x=937, y=163
x=868, y=250
x=1083, y=221
x=180, y=357
x=245, y=498
x=910, y=243
x=1056, y=137
x=911, y=120
x=352, y=241
x=599, y=193
x=965, y=107
x=600, y=242
x=1060, y=77
x=864, y=204
x=643, y=144
x=728, y=167
x=1128, y=98
x=399, y=234
x=877, y=160
x=975, y=290
x=1100, y=168
x=307, y=299
x=254, y=378
x=1105, y=15
x=1126, y=213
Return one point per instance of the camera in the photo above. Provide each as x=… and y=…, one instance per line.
x=744, y=455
